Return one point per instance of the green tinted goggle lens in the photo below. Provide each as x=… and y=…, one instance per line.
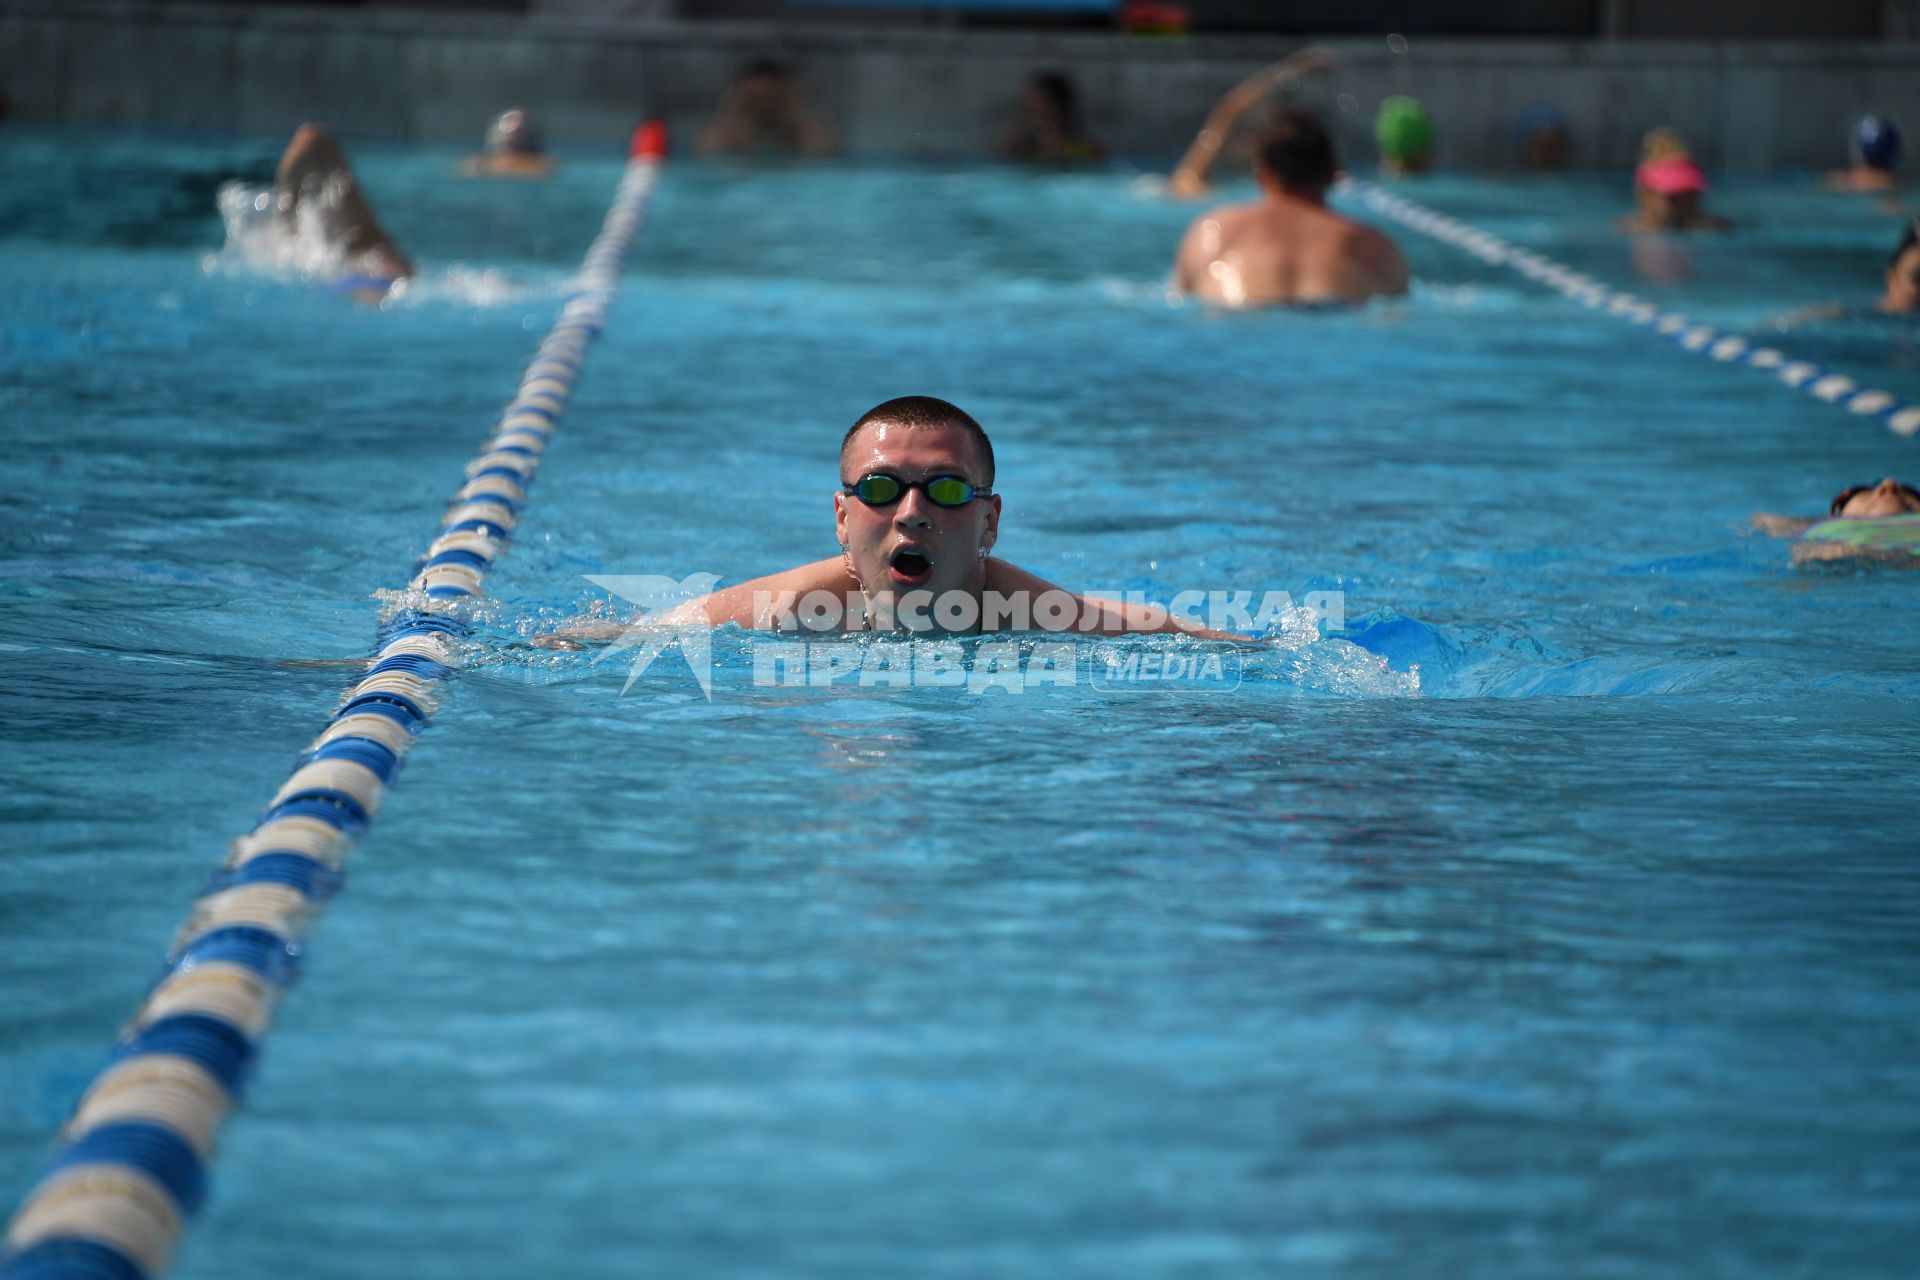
x=881, y=490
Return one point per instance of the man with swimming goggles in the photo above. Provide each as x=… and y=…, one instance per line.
x=917, y=519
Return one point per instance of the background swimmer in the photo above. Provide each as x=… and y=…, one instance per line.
x=1543, y=139
x=1049, y=129
x=1861, y=502
x=1404, y=132
x=1190, y=176
x=1668, y=187
x=1875, y=145
x=315, y=187
x=765, y=114
x=513, y=149
x=1900, y=293
x=1288, y=247
x=917, y=520
x=1877, y=524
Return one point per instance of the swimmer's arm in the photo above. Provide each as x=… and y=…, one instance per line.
x=578, y=635
x=1117, y=617
x=766, y=604
x=1190, y=175
x=757, y=605
x=1184, y=275
x=816, y=136
x=1097, y=616
x=728, y=131
x=1782, y=526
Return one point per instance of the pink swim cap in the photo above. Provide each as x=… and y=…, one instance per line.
x=1670, y=176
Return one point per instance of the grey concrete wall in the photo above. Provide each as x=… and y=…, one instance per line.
x=438, y=76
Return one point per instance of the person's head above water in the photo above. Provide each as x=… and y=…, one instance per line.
x=1866, y=501
x=1544, y=138
x=1404, y=132
x=512, y=133
x=916, y=508
x=1296, y=156
x=1668, y=185
x=763, y=76
x=1876, y=144
x=1052, y=97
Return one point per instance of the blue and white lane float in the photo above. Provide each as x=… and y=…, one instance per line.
x=131, y=1167
x=1702, y=339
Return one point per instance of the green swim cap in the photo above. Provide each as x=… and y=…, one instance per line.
x=1404, y=130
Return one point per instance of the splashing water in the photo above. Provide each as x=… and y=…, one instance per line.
x=268, y=235
x=305, y=245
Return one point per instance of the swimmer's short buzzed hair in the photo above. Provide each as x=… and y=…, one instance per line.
x=924, y=411
x=1298, y=152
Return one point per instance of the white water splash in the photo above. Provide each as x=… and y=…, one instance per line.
x=306, y=248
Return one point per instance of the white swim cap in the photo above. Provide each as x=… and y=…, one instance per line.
x=512, y=132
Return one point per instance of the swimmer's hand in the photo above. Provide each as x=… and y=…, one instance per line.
x=583, y=635
x=1782, y=526
x=1190, y=175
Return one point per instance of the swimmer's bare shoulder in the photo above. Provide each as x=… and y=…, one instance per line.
x=1096, y=616
x=752, y=603
x=741, y=605
x=755, y=604
x=1378, y=257
x=1207, y=237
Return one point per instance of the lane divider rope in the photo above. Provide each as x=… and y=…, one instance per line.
x=131, y=1166
x=1703, y=339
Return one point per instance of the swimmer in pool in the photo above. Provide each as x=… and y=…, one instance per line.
x=1543, y=138
x=765, y=114
x=1404, y=132
x=1861, y=502
x=1876, y=151
x=513, y=149
x=916, y=518
x=1288, y=248
x=1049, y=130
x=1887, y=505
x=1900, y=294
x=1667, y=187
x=314, y=181
x=1190, y=177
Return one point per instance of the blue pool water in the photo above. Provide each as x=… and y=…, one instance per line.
x=1569, y=928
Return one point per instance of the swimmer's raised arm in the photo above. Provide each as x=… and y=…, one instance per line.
x=1190, y=175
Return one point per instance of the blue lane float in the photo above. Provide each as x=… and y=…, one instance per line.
x=1702, y=339
x=131, y=1167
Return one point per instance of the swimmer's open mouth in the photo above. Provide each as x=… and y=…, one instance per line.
x=909, y=566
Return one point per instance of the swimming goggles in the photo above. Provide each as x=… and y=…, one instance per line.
x=878, y=489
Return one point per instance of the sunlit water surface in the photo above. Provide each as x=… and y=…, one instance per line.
x=1564, y=925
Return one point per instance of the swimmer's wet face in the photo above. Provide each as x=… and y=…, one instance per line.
x=914, y=543
x=1867, y=502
